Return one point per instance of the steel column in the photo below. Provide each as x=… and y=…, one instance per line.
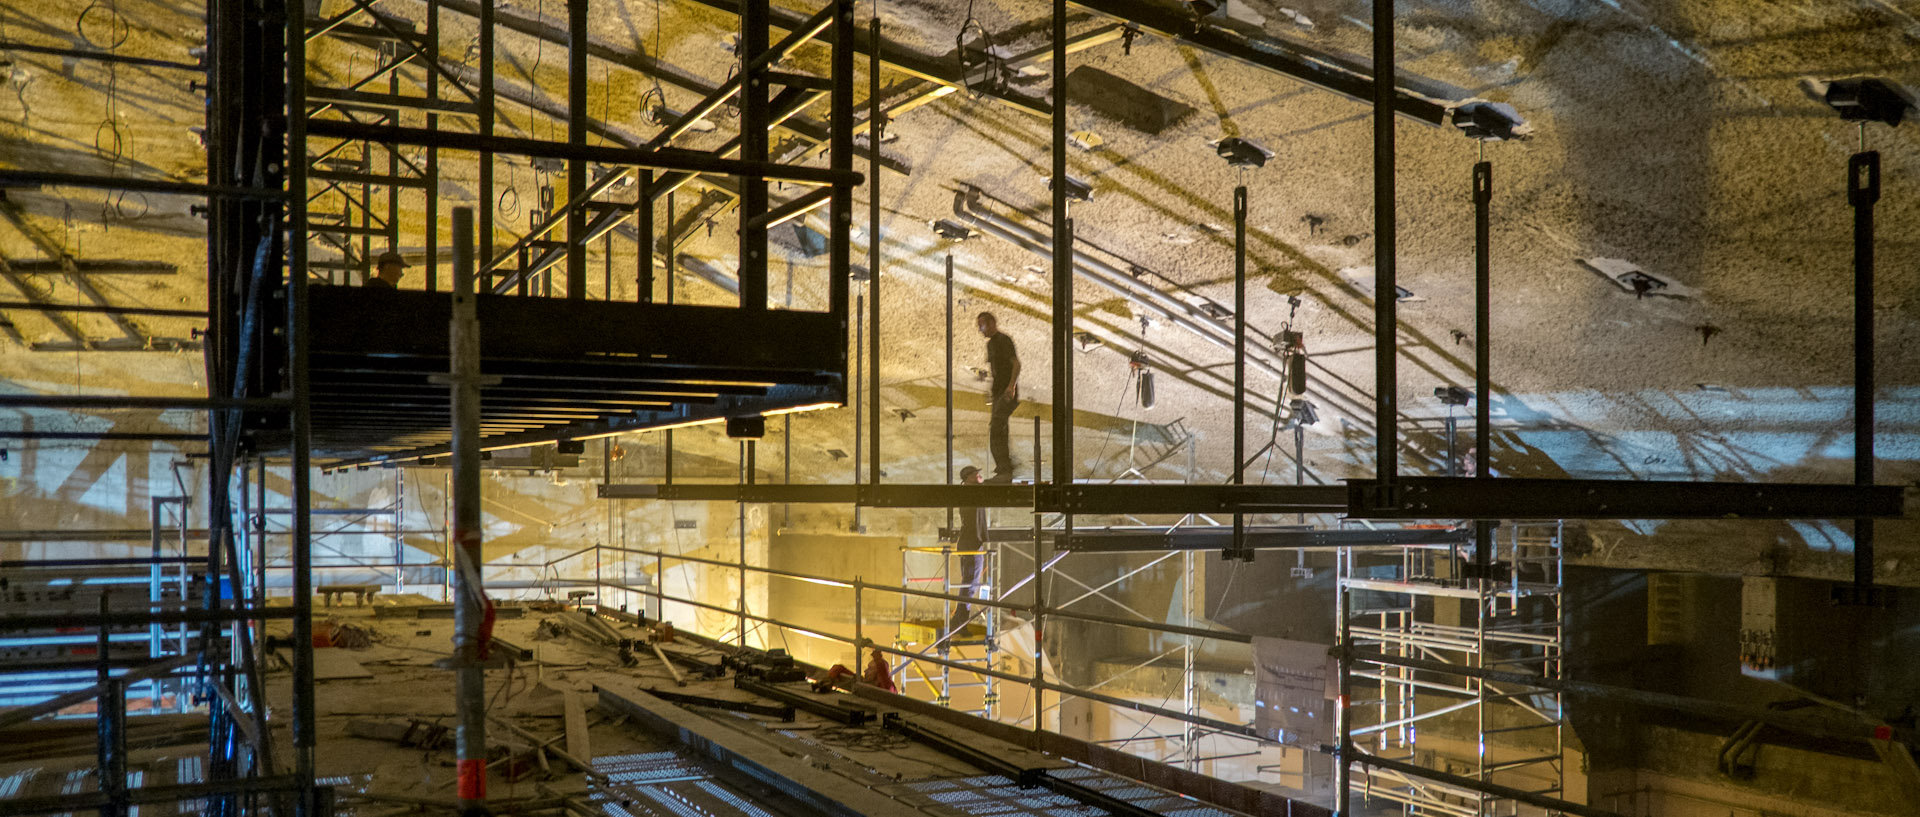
x=949, y=381
x=874, y=135
x=1238, y=550
x=1386, y=381
x=576, y=135
x=1863, y=190
x=300, y=470
x=755, y=118
x=1482, y=356
x=463, y=386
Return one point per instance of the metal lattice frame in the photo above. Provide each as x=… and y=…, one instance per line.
x=1516, y=625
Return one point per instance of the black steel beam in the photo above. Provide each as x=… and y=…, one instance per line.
x=1183, y=499
x=1321, y=70
x=1466, y=498
x=784, y=713
x=35, y=178
x=1153, y=540
x=897, y=58
x=105, y=310
x=873, y=496
x=1551, y=804
x=137, y=436
x=673, y=159
x=823, y=707
x=108, y=401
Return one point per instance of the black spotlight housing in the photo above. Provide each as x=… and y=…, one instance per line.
x=1864, y=99
x=751, y=427
x=1491, y=122
x=570, y=447
x=1242, y=152
x=1453, y=395
x=951, y=230
x=1077, y=189
x=1143, y=385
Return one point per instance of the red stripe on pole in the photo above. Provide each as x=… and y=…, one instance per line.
x=473, y=779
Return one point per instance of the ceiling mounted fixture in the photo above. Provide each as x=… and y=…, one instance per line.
x=1244, y=153
x=1862, y=99
x=1491, y=122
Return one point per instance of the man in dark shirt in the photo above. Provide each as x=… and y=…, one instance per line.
x=390, y=268
x=1003, y=364
x=971, y=543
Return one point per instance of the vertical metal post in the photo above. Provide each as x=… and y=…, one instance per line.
x=576, y=135
x=755, y=118
x=484, y=107
x=1482, y=355
x=840, y=157
x=875, y=131
x=1386, y=381
x=670, y=272
x=1039, y=593
x=1062, y=358
x=746, y=478
x=112, y=728
x=470, y=699
x=859, y=418
x=1239, y=550
x=300, y=470
x=949, y=379
x=433, y=153
x=859, y=616
x=643, y=211
x=1863, y=190
x=1343, y=712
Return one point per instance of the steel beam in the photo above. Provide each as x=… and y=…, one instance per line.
x=470, y=602
x=672, y=159
x=36, y=178
x=1321, y=70
x=1462, y=498
x=1184, y=499
x=1155, y=540
x=1551, y=804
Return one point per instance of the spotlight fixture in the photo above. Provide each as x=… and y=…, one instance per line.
x=1077, y=189
x=1143, y=385
x=570, y=447
x=1862, y=99
x=1491, y=122
x=952, y=230
x=1242, y=152
x=1305, y=413
x=1087, y=341
x=751, y=427
x=1453, y=395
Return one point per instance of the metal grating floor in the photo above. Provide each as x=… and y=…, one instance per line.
x=996, y=796
x=668, y=784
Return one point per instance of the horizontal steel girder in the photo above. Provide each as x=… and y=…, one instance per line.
x=669, y=159
x=1325, y=71
x=1467, y=498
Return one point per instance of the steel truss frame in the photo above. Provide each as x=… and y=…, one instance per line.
x=1516, y=623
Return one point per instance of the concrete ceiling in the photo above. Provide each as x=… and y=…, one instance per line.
x=1669, y=137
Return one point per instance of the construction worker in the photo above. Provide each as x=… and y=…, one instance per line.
x=1003, y=367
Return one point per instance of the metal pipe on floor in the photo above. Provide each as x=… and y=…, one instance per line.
x=470, y=700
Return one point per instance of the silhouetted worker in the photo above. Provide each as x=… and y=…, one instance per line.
x=1003, y=366
x=390, y=268
x=972, y=546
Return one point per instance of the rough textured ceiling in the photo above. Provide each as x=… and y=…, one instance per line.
x=1670, y=136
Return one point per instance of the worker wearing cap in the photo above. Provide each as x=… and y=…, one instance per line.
x=972, y=545
x=390, y=268
x=1003, y=365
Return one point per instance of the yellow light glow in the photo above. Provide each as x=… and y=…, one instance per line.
x=798, y=409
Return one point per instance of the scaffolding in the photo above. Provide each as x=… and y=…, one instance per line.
x=974, y=643
x=1409, y=603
